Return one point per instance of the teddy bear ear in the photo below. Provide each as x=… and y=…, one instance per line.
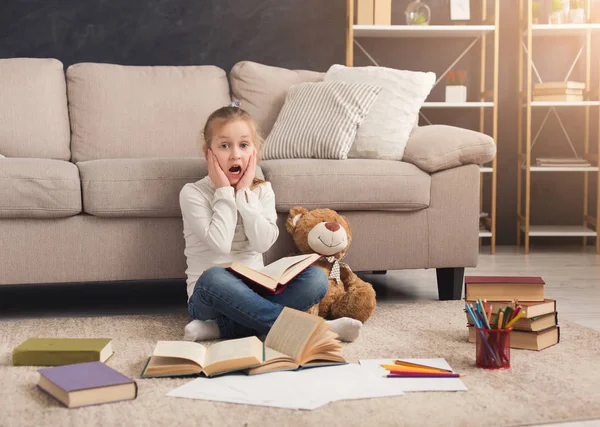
x=293, y=218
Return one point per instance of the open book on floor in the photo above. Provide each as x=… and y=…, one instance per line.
x=297, y=339
x=273, y=277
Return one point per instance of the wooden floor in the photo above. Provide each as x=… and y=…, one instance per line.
x=572, y=277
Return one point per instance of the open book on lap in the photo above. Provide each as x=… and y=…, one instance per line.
x=273, y=277
x=296, y=340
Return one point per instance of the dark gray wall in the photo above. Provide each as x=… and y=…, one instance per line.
x=300, y=33
x=306, y=34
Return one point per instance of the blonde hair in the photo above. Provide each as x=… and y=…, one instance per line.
x=225, y=115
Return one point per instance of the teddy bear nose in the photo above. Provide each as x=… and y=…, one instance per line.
x=332, y=226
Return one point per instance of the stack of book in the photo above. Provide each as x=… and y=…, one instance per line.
x=537, y=328
x=558, y=91
x=562, y=161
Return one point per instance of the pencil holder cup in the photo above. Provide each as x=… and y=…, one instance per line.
x=492, y=348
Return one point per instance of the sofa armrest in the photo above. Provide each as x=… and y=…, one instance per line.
x=437, y=147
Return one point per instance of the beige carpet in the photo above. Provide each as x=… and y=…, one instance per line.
x=560, y=383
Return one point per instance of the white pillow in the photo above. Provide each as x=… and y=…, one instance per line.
x=1, y=156
x=384, y=133
x=319, y=120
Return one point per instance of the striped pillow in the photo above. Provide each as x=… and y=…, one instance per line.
x=319, y=120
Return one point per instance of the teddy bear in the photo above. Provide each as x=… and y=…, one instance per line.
x=326, y=232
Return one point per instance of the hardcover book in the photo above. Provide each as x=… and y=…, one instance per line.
x=530, y=309
x=61, y=351
x=274, y=277
x=529, y=340
x=504, y=288
x=524, y=324
x=297, y=339
x=84, y=384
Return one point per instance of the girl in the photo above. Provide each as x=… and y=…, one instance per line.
x=230, y=216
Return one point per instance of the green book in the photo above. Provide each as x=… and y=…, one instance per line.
x=61, y=351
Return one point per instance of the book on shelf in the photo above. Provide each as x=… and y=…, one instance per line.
x=558, y=98
x=562, y=161
x=84, y=384
x=559, y=85
x=274, y=277
x=485, y=222
x=61, y=351
x=524, y=324
x=530, y=309
x=296, y=340
x=504, y=288
x=558, y=91
x=528, y=340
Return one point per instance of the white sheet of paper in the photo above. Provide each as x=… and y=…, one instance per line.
x=304, y=389
x=250, y=390
x=416, y=384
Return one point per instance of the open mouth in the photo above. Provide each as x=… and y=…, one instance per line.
x=235, y=170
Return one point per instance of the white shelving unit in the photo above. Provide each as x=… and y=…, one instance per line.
x=526, y=140
x=559, y=230
x=422, y=31
x=554, y=30
x=484, y=104
x=488, y=99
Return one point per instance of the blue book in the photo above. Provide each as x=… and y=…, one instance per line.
x=84, y=384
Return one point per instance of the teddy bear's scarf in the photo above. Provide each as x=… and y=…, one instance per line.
x=335, y=269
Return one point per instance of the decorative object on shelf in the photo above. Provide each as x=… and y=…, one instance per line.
x=382, y=12
x=577, y=12
x=460, y=10
x=456, y=91
x=558, y=14
x=364, y=12
x=417, y=13
x=535, y=12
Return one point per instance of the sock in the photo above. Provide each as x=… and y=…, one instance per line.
x=347, y=328
x=198, y=330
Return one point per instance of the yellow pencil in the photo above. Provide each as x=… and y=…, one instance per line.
x=418, y=365
x=412, y=368
x=514, y=319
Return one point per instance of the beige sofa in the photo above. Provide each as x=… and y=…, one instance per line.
x=95, y=158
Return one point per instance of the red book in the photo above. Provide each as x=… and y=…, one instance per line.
x=504, y=288
x=274, y=277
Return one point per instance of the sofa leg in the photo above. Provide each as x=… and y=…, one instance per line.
x=450, y=283
x=379, y=271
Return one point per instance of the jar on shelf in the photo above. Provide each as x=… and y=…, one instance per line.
x=417, y=13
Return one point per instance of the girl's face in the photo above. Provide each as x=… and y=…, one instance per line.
x=232, y=144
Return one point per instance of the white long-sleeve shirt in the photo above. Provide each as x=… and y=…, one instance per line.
x=214, y=232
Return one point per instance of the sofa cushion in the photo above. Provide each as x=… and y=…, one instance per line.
x=138, y=187
x=347, y=185
x=34, y=120
x=319, y=120
x=437, y=147
x=39, y=188
x=141, y=112
x=261, y=89
x=385, y=131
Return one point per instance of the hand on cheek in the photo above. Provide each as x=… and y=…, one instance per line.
x=215, y=172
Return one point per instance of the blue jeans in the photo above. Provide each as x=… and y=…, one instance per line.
x=239, y=311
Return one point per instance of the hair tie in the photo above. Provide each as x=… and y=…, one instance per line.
x=235, y=104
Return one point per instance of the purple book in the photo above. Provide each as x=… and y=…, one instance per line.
x=85, y=376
